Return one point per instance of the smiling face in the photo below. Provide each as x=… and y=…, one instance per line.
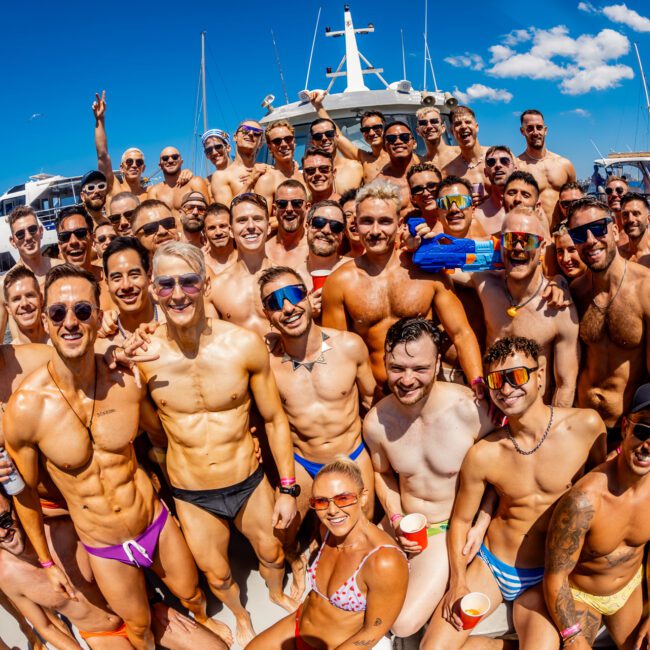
x=291, y=321
x=170, y=161
x=434, y=128
x=27, y=243
x=217, y=229
x=77, y=250
x=323, y=242
x=373, y=132
x=534, y=130
x=377, y=224
x=123, y=208
x=399, y=149
x=165, y=231
x=465, y=130
x=216, y=151
x=290, y=217
x=350, y=212
x=634, y=217
x=455, y=221
x=635, y=451
x=423, y=197
x=249, y=140
x=94, y=199
x=618, y=190
x=339, y=521
x=250, y=226
x=597, y=252
x=24, y=303
x=518, y=262
x=103, y=236
x=411, y=369
x=517, y=193
x=319, y=174
x=281, y=143
x=324, y=136
x=132, y=164
x=498, y=166
x=12, y=539
x=512, y=401
x=568, y=257
x=127, y=281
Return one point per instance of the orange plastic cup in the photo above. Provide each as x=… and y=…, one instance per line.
x=473, y=607
x=414, y=528
x=318, y=278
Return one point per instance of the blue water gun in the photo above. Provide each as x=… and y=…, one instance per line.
x=447, y=253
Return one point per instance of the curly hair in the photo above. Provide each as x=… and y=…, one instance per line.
x=510, y=345
x=409, y=329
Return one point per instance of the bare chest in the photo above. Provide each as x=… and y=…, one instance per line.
x=620, y=324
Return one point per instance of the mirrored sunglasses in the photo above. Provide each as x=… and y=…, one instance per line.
x=294, y=293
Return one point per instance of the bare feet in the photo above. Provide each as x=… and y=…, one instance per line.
x=244, y=631
x=298, y=574
x=220, y=629
x=286, y=602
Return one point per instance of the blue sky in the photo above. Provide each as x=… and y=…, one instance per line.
x=554, y=57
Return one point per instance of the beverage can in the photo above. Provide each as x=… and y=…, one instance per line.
x=12, y=484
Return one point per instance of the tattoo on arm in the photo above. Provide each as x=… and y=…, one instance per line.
x=377, y=622
x=565, y=610
x=365, y=644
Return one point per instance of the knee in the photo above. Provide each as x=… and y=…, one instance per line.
x=219, y=581
x=138, y=628
x=270, y=553
x=405, y=627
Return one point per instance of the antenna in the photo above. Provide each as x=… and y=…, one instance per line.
x=597, y=149
x=403, y=56
x=205, y=103
x=645, y=85
x=277, y=60
x=426, y=48
x=311, y=54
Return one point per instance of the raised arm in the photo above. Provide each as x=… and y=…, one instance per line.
x=101, y=142
x=566, y=357
x=345, y=146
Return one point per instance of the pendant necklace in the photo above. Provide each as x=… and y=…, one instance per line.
x=309, y=365
x=604, y=309
x=513, y=309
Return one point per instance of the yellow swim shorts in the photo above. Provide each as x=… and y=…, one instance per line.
x=608, y=605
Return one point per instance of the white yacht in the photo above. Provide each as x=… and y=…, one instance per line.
x=634, y=166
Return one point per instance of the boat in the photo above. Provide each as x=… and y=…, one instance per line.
x=634, y=166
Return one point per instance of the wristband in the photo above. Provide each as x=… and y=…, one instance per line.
x=395, y=516
x=287, y=482
x=478, y=380
x=568, y=632
x=46, y=565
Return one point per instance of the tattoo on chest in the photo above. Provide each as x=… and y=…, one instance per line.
x=106, y=412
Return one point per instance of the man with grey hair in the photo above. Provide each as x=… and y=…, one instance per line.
x=212, y=464
x=368, y=294
x=431, y=128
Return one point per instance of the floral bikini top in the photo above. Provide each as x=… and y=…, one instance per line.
x=348, y=596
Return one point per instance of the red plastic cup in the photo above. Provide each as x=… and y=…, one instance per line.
x=318, y=278
x=414, y=528
x=473, y=607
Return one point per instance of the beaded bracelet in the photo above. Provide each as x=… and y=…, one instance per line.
x=47, y=564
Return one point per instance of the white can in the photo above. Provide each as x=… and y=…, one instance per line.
x=12, y=484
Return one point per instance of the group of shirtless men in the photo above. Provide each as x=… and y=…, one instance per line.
x=186, y=310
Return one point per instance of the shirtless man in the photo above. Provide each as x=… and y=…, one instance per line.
x=470, y=162
x=521, y=189
x=569, y=192
x=27, y=585
x=192, y=215
x=94, y=189
x=154, y=224
x=24, y=302
x=234, y=293
x=634, y=219
x=530, y=464
x=566, y=253
x=26, y=237
x=211, y=461
x=103, y=235
x=614, y=306
x=405, y=434
x=400, y=146
x=423, y=180
x=325, y=136
x=368, y=294
x=242, y=174
x=595, y=547
x=349, y=207
x=281, y=142
x=432, y=128
x=549, y=169
x=372, y=124
x=220, y=252
x=288, y=247
x=216, y=147
x=112, y=504
x=615, y=189
x=456, y=210
x=499, y=164
x=120, y=214
x=319, y=174
x=170, y=191
x=515, y=303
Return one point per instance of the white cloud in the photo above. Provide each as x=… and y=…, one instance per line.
x=500, y=53
x=598, y=78
x=622, y=14
x=516, y=36
x=481, y=93
x=587, y=7
x=578, y=112
x=467, y=60
x=527, y=65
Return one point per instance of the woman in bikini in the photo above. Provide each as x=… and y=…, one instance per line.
x=358, y=579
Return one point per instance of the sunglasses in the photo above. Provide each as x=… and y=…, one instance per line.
x=526, y=240
x=504, y=160
x=343, y=500
x=168, y=223
x=336, y=227
x=294, y=293
x=20, y=234
x=296, y=204
x=377, y=128
x=116, y=217
x=214, y=148
x=138, y=162
x=65, y=235
x=82, y=311
x=98, y=187
x=566, y=204
x=201, y=209
x=430, y=187
x=516, y=377
x=173, y=156
x=323, y=169
x=392, y=138
x=190, y=284
x=251, y=130
x=287, y=139
x=461, y=201
x=598, y=229
x=6, y=520
x=329, y=134
x=103, y=238
x=619, y=190
x=640, y=430
x=434, y=122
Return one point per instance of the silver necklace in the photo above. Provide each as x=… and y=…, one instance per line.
x=523, y=452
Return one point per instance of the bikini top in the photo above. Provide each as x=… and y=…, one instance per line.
x=348, y=596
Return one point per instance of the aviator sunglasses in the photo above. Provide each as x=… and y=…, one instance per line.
x=527, y=240
x=65, y=235
x=461, y=201
x=343, y=500
x=598, y=229
x=138, y=162
x=516, y=377
x=190, y=284
x=173, y=156
x=20, y=234
x=294, y=293
x=610, y=190
x=504, y=160
x=287, y=139
x=336, y=227
x=82, y=311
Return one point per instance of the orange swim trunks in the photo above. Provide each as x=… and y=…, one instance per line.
x=121, y=631
x=46, y=504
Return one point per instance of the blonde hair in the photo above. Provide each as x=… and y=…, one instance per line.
x=126, y=152
x=277, y=124
x=380, y=189
x=190, y=254
x=344, y=465
x=421, y=112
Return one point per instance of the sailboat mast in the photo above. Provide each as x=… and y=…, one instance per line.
x=645, y=85
x=205, y=102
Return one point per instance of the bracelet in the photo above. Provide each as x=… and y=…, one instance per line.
x=395, y=516
x=478, y=380
x=571, y=631
x=287, y=482
x=46, y=565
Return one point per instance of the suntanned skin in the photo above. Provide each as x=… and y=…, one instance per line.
x=616, y=345
x=235, y=293
x=169, y=191
x=94, y=201
x=372, y=161
x=103, y=235
x=382, y=579
x=368, y=294
x=438, y=151
x=425, y=202
x=596, y=543
x=220, y=252
x=206, y=419
x=565, y=195
x=356, y=247
x=490, y=213
x=24, y=304
x=288, y=247
x=110, y=499
x=405, y=433
x=242, y=174
x=321, y=184
x=121, y=206
x=162, y=235
x=527, y=491
x=556, y=330
x=550, y=170
x=567, y=256
x=618, y=188
x=469, y=163
x=634, y=219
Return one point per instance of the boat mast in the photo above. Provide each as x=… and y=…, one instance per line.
x=645, y=85
x=205, y=102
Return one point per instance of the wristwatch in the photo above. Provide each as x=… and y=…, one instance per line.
x=292, y=490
